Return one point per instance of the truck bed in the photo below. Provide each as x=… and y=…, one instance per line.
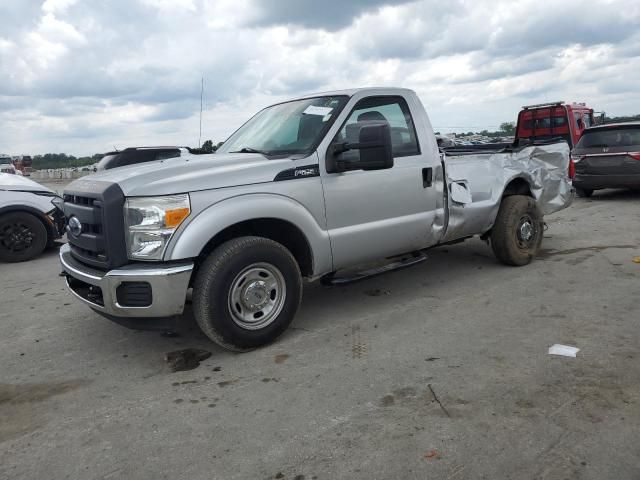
x=476, y=180
x=461, y=150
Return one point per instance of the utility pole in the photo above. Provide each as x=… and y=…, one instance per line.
x=201, y=95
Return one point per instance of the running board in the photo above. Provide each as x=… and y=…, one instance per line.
x=373, y=272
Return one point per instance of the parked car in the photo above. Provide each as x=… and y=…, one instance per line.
x=313, y=187
x=133, y=155
x=607, y=156
x=23, y=164
x=29, y=219
x=6, y=165
x=444, y=141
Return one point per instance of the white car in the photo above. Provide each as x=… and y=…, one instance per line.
x=29, y=219
x=6, y=165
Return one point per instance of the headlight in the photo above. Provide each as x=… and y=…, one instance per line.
x=150, y=223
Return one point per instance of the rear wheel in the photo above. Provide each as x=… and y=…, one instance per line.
x=584, y=192
x=247, y=292
x=517, y=233
x=22, y=237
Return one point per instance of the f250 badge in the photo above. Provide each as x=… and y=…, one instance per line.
x=306, y=172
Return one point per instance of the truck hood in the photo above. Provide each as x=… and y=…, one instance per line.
x=17, y=183
x=188, y=173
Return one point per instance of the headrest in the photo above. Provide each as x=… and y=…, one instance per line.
x=372, y=115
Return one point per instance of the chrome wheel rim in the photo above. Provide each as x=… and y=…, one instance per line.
x=527, y=232
x=257, y=296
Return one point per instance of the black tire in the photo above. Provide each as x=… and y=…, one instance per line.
x=213, y=292
x=517, y=233
x=22, y=237
x=584, y=192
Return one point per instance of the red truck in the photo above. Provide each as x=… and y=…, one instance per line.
x=551, y=120
x=544, y=122
x=23, y=163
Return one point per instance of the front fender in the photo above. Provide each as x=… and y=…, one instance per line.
x=194, y=234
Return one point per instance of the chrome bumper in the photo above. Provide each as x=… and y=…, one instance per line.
x=168, y=284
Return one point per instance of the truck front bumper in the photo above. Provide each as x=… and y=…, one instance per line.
x=137, y=291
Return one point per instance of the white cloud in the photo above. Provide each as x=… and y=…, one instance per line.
x=81, y=76
x=171, y=6
x=57, y=6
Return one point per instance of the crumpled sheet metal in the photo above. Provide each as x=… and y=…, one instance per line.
x=548, y=169
x=485, y=176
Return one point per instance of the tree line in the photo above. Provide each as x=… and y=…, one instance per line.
x=507, y=129
x=62, y=160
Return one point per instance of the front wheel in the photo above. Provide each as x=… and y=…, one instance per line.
x=22, y=237
x=247, y=292
x=517, y=233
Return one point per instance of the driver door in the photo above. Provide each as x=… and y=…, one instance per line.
x=374, y=214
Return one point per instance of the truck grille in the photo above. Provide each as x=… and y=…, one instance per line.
x=99, y=240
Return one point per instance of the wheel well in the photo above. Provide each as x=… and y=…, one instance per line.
x=517, y=186
x=275, y=229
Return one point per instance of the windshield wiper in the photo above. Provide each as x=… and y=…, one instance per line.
x=250, y=150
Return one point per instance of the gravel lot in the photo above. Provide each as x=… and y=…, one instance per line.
x=348, y=392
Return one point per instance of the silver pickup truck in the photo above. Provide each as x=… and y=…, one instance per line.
x=309, y=188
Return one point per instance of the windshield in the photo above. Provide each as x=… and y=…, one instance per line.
x=287, y=128
x=625, y=138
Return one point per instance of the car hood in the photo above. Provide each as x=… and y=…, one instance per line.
x=18, y=183
x=188, y=173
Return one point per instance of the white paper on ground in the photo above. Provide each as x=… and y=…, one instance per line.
x=313, y=110
x=564, y=350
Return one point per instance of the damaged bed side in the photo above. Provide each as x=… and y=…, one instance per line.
x=478, y=180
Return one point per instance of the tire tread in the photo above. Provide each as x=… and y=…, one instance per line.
x=211, y=267
x=502, y=237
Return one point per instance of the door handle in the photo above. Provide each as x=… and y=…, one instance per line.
x=427, y=177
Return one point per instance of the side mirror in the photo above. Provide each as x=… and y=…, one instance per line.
x=374, y=145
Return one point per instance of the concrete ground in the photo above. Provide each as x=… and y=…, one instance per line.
x=350, y=390
x=55, y=184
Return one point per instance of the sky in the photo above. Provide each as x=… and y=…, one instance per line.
x=85, y=76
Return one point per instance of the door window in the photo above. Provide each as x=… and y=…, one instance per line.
x=395, y=112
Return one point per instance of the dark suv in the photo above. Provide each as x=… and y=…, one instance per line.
x=607, y=156
x=130, y=156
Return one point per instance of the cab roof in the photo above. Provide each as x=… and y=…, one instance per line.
x=352, y=91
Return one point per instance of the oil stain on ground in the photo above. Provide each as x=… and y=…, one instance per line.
x=546, y=253
x=187, y=359
x=35, y=392
x=18, y=416
x=423, y=400
x=281, y=358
